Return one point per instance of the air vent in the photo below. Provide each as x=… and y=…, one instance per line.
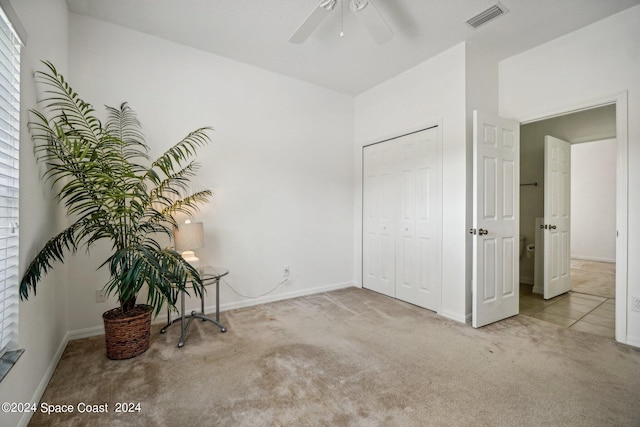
x=487, y=15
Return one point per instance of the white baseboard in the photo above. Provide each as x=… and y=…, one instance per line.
x=99, y=330
x=634, y=341
x=44, y=382
x=455, y=316
x=588, y=258
x=538, y=290
x=526, y=280
x=86, y=332
x=280, y=297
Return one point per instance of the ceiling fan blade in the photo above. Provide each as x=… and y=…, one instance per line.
x=311, y=23
x=372, y=20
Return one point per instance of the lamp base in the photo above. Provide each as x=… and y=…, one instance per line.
x=191, y=258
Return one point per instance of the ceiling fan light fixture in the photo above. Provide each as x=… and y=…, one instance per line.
x=358, y=5
x=328, y=4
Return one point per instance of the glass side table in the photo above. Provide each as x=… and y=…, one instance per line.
x=210, y=276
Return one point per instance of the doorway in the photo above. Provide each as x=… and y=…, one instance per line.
x=588, y=306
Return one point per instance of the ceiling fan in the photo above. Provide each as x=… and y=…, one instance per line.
x=363, y=9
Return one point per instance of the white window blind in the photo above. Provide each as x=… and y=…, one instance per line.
x=9, y=166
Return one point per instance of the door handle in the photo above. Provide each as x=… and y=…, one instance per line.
x=481, y=232
x=552, y=227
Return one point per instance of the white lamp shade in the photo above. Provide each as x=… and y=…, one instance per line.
x=189, y=236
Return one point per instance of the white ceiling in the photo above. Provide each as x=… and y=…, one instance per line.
x=257, y=32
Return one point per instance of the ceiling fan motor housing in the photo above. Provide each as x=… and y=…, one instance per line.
x=367, y=14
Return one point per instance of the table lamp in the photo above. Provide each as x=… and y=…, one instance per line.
x=188, y=237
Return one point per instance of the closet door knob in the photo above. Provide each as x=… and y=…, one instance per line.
x=483, y=232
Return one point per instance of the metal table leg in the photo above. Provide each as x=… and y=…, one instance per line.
x=194, y=314
x=183, y=329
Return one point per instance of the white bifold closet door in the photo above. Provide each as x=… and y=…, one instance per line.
x=402, y=218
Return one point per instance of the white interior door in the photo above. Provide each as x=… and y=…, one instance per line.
x=379, y=211
x=418, y=272
x=496, y=195
x=557, y=214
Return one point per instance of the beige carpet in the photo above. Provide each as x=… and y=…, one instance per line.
x=355, y=358
x=593, y=278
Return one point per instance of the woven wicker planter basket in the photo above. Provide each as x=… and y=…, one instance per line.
x=129, y=336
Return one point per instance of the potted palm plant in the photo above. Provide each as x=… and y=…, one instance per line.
x=112, y=191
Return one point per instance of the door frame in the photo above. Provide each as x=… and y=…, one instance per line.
x=622, y=193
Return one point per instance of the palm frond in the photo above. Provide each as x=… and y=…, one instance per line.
x=126, y=129
x=67, y=108
x=182, y=151
x=188, y=205
x=54, y=250
x=174, y=184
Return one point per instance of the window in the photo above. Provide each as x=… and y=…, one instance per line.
x=10, y=45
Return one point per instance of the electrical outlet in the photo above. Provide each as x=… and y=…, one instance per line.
x=635, y=303
x=286, y=271
x=101, y=295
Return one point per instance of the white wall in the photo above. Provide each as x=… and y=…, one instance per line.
x=42, y=319
x=280, y=164
x=593, y=200
x=598, y=61
x=430, y=92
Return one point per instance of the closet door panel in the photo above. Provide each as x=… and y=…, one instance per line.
x=406, y=276
x=379, y=223
x=419, y=283
x=429, y=217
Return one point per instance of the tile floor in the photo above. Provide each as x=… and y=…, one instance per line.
x=584, y=312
